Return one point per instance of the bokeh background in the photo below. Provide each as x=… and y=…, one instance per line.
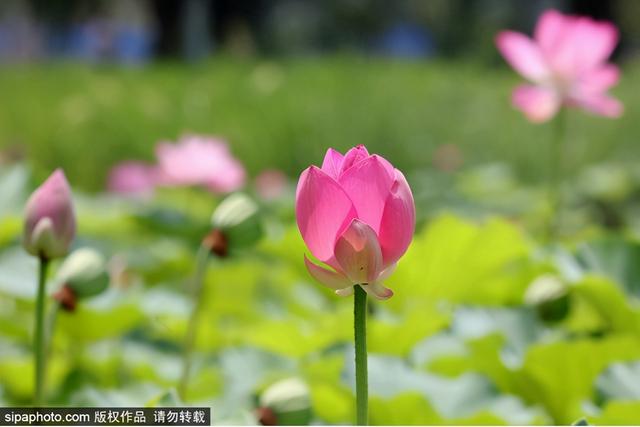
x=490, y=323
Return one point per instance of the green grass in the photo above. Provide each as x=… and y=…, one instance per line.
x=285, y=114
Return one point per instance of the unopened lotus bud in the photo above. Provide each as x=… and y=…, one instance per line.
x=50, y=223
x=357, y=216
x=84, y=273
x=286, y=402
x=550, y=296
x=236, y=225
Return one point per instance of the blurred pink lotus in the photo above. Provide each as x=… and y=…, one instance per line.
x=566, y=61
x=133, y=178
x=357, y=215
x=50, y=222
x=271, y=184
x=199, y=160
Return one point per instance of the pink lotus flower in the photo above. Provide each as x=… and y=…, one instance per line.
x=566, y=61
x=133, y=178
x=356, y=214
x=198, y=160
x=50, y=222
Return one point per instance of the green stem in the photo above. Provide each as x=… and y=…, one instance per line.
x=192, y=325
x=39, y=336
x=51, y=325
x=360, y=329
x=556, y=165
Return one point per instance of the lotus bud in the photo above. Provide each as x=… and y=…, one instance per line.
x=357, y=217
x=550, y=296
x=50, y=223
x=236, y=225
x=286, y=402
x=83, y=275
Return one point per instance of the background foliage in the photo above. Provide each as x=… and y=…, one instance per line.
x=87, y=118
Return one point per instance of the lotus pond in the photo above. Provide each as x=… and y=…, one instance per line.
x=491, y=322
